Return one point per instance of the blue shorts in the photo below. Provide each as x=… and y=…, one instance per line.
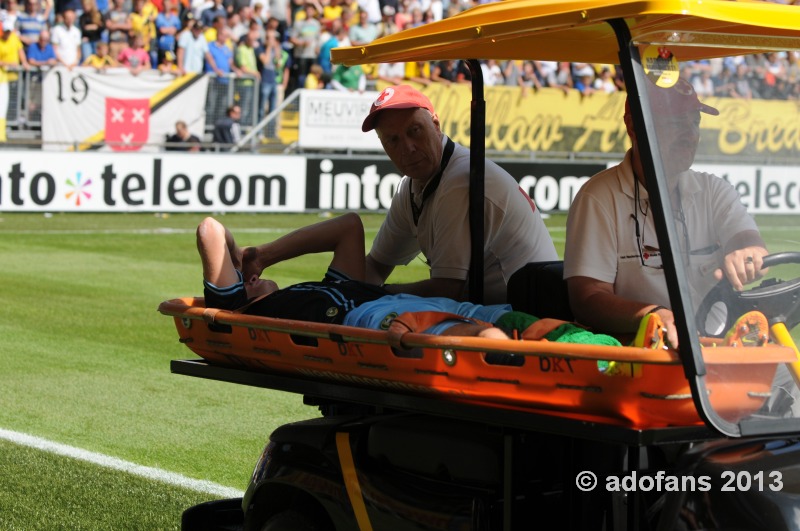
x=378, y=314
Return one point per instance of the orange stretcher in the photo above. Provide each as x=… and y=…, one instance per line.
x=547, y=377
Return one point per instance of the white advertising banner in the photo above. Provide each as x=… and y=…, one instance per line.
x=130, y=182
x=332, y=120
x=115, y=110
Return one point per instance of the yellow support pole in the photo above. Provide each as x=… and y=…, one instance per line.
x=784, y=338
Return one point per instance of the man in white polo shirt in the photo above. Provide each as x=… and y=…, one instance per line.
x=429, y=212
x=612, y=259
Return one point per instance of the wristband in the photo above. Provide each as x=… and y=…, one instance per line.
x=654, y=310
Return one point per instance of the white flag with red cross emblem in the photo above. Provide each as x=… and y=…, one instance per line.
x=83, y=109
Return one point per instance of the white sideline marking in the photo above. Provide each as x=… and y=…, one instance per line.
x=106, y=461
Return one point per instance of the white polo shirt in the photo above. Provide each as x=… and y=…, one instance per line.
x=514, y=233
x=67, y=42
x=602, y=242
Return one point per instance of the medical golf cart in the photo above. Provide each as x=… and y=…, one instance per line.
x=452, y=433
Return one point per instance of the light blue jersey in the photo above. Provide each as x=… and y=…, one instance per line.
x=378, y=314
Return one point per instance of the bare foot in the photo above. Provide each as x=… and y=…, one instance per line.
x=493, y=333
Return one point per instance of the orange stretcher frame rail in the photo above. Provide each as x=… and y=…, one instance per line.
x=547, y=377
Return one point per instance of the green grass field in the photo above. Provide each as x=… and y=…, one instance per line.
x=85, y=363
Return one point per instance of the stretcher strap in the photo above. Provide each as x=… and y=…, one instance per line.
x=418, y=322
x=351, y=483
x=541, y=328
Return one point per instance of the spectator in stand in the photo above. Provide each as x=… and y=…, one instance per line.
x=9, y=11
x=220, y=62
x=101, y=59
x=436, y=10
x=605, y=81
x=12, y=57
x=530, y=78
x=403, y=16
x=227, y=130
x=208, y=15
x=723, y=85
x=239, y=23
x=349, y=79
x=331, y=10
x=31, y=22
x=41, y=53
x=372, y=8
x=260, y=15
x=388, y=26
x=363, y=33
x=142, y=20
x=118, y=26
x=281, y=12
x=492, y=75
x=273, y=60
x=248, y=67
x=135, y=57
x=192, y=48
x=183, y=139
x=168, y=64
x=771, y=68
x=418, y=72
x=194, y=8
x=417, y=19
x=168, y=26
x=703, y=84
x=512, y=73
x=619, y=80
x=445, y=72
x=741, y=83
x=328, y=41
x=92, y=26
x=66, y=39
x=392, y=73
x=315, y=79
x=213, y=30
x=562, y=79
x=234, y=25
x=305, y=36
x=64, y=5
x=584, y=83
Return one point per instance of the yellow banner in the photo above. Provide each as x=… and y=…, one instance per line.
x=550, y=120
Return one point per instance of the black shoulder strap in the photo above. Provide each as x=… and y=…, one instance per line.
x=434, y=184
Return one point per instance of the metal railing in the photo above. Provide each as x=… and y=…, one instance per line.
x=25, y=99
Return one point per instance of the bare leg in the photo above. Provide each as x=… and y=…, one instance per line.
x=214, y=249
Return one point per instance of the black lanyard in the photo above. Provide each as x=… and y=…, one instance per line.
x=434, y=184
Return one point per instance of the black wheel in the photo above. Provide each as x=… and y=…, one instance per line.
x=778, y=299
x=293, y=520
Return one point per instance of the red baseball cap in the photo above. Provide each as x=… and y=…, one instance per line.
x=677, y=99
x=393, y=98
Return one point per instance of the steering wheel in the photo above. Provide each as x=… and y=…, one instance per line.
x=778, y=300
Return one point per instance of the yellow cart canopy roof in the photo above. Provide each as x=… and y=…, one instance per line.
x=555, y=30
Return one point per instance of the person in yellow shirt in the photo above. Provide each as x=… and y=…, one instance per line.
x=419, y=72
x=168, y=65
x=142, y=20
x=12, y=57
x=315, y=79
x=100, y=59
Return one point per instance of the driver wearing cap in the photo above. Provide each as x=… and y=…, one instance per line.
x=612, y=259
x=429, y=211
